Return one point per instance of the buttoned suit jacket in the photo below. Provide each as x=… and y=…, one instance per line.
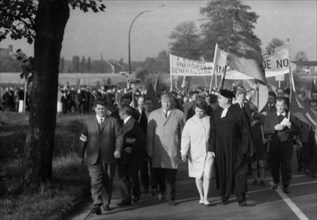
x=103, y=139
x=277, y=137
x=135, y=138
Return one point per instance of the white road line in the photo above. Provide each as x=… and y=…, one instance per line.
x=291, y=204
x=270, y=188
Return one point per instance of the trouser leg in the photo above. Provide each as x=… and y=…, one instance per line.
x=300, y=158
x=109, y=172
x=160, y=179
x=144, y=173
x=96, y=175
x=170, y=175
x=153, y=178
x=133, y=170
x=275, y=166
x=124, y=183
x=286, y=164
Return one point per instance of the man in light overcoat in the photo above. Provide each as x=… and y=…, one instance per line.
x=163, y=145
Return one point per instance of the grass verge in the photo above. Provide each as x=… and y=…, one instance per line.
x=52, y=200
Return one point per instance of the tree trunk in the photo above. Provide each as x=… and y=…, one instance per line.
x=51, y=19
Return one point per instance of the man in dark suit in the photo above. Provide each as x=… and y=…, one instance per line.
x=148, y=108
x=102, y=138
x=129, y=163
x=281, y=131
x=144, y=165
x=270, y=105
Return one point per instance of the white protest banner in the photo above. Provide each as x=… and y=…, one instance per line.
x=276, y=64
x=277, y=60
x=180, y=66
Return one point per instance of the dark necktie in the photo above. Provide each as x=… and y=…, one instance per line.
x=165, y=114
x=280, y=118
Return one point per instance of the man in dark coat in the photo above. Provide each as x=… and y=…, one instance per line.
x=230, y=140
x=270, y=105
x=281, y=131
x=129, y=163
x=102, y=138
x=144, y=169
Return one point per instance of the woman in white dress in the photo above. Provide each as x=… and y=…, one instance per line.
x=194, y=147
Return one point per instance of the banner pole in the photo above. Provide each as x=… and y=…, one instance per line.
x=24, y=97
x=214, y=68
x=171, y=78
x=222, y=81
x=291, y=80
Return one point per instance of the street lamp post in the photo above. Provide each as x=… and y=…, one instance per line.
x=129, y=39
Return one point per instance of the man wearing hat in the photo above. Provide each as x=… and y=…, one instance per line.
x=230, y=140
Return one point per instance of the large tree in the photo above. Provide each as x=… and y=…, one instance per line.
x=300, y=57
x=41, y=21
x=275, y=42
x=186, y=41
x=218, y=24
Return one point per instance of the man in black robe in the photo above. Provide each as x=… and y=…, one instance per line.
x=230, y=140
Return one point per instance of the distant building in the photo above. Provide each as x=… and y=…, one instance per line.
x=5, y=52
x=117, y=66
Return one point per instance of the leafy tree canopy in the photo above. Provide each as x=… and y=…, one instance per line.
x=218, y=24
x=275, y=42
x=17, y=18
x=186, y=41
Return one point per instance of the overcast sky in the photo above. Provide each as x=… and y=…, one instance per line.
x=106, y=34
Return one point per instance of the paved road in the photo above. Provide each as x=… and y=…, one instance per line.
x=263, y=203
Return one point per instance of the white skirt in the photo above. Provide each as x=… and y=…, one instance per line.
x=199, y=169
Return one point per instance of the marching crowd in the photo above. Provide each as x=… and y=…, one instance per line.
x=221, y=134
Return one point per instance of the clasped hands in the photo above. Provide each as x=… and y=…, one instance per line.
x=283, y=124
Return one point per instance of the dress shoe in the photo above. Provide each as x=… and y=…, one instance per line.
x=171, y=203
x=242, y=203
x=255, y=182
x=306, y=171
x=262, y=183
x=96, y=210
x=285, y=190
x=146, y=191
x=136, y=198
x=124, y=203
x=201, y=201
x=312, y=174
x=106, y=208
x=224, y=202
x=275, y=186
